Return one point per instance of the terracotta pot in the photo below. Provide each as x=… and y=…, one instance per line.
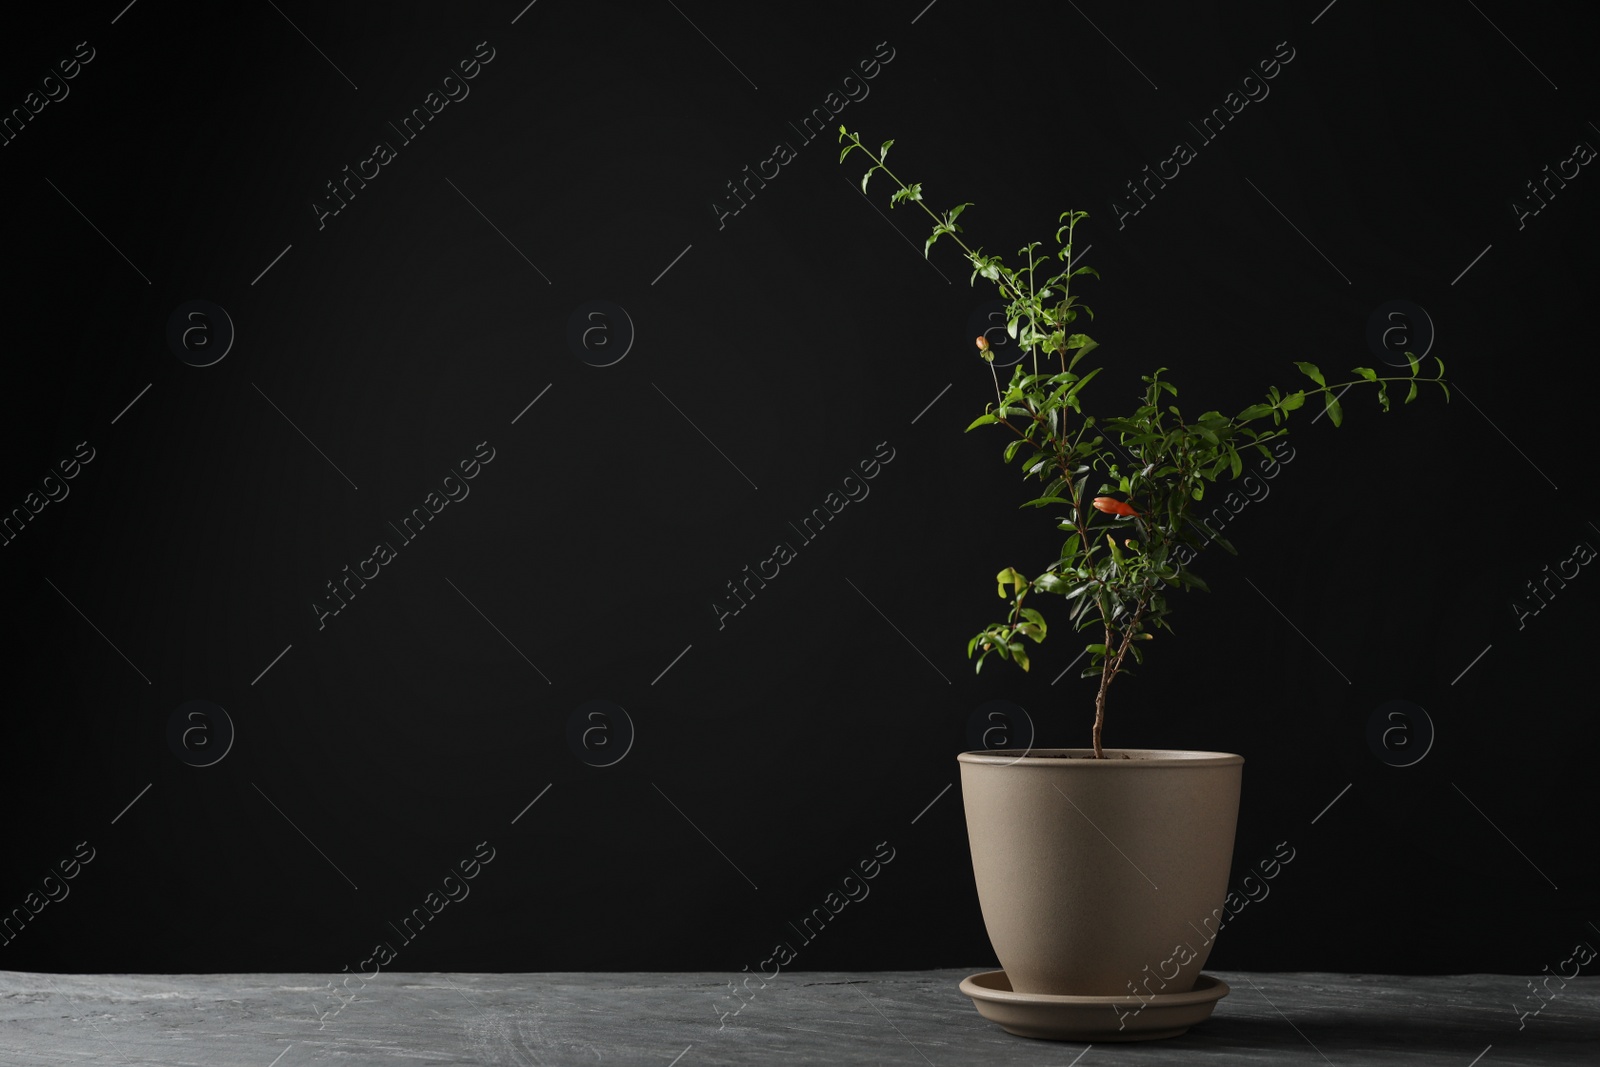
x=1101, y=877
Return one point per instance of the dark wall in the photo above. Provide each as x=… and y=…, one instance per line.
x=765, y=355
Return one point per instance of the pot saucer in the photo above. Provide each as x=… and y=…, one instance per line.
x=1095, y=1019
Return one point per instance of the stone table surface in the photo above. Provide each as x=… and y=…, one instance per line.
x=917, y=1018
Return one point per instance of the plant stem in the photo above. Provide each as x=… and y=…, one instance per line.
x=1033, y=350
x=885, y=167
x=1109, y=668
x=1107, y=672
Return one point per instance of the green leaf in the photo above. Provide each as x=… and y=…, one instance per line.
x=1366, y=372
x=1048, y=582
x=1415, y=364
x=1010, y=574
x=1310, y=371
x=1254, y=411
x=1412, y=394
x=1335, y=412
x=983, y=420
x=906, y=192
x=1294, y=401
x=1085, y=380
x=1236, y=463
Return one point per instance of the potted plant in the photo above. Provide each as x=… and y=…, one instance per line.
x=1101, y=872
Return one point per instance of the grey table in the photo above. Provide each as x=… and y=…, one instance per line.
x=888, y=1017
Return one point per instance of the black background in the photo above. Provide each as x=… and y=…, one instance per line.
x=825, y=716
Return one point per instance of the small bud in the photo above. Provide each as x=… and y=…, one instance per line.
x=983, y=344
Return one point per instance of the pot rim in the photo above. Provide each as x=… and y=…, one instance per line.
x=1138, y=757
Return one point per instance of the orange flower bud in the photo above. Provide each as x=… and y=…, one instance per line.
x=983, y=344
x=1112, y=506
